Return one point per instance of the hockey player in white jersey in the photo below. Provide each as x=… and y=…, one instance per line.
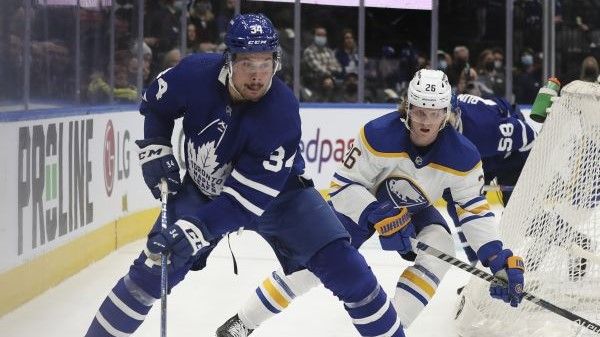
x=400, y=163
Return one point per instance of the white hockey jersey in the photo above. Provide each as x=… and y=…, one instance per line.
x=384, y=154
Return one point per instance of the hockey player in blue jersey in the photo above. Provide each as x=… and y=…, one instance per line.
x=501, y=133
x=503, y=138
x=399, y=165
x=242, y=134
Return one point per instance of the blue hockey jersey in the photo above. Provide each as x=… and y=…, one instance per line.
x=501, y=134
x=239, y=154
x=493, y=126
